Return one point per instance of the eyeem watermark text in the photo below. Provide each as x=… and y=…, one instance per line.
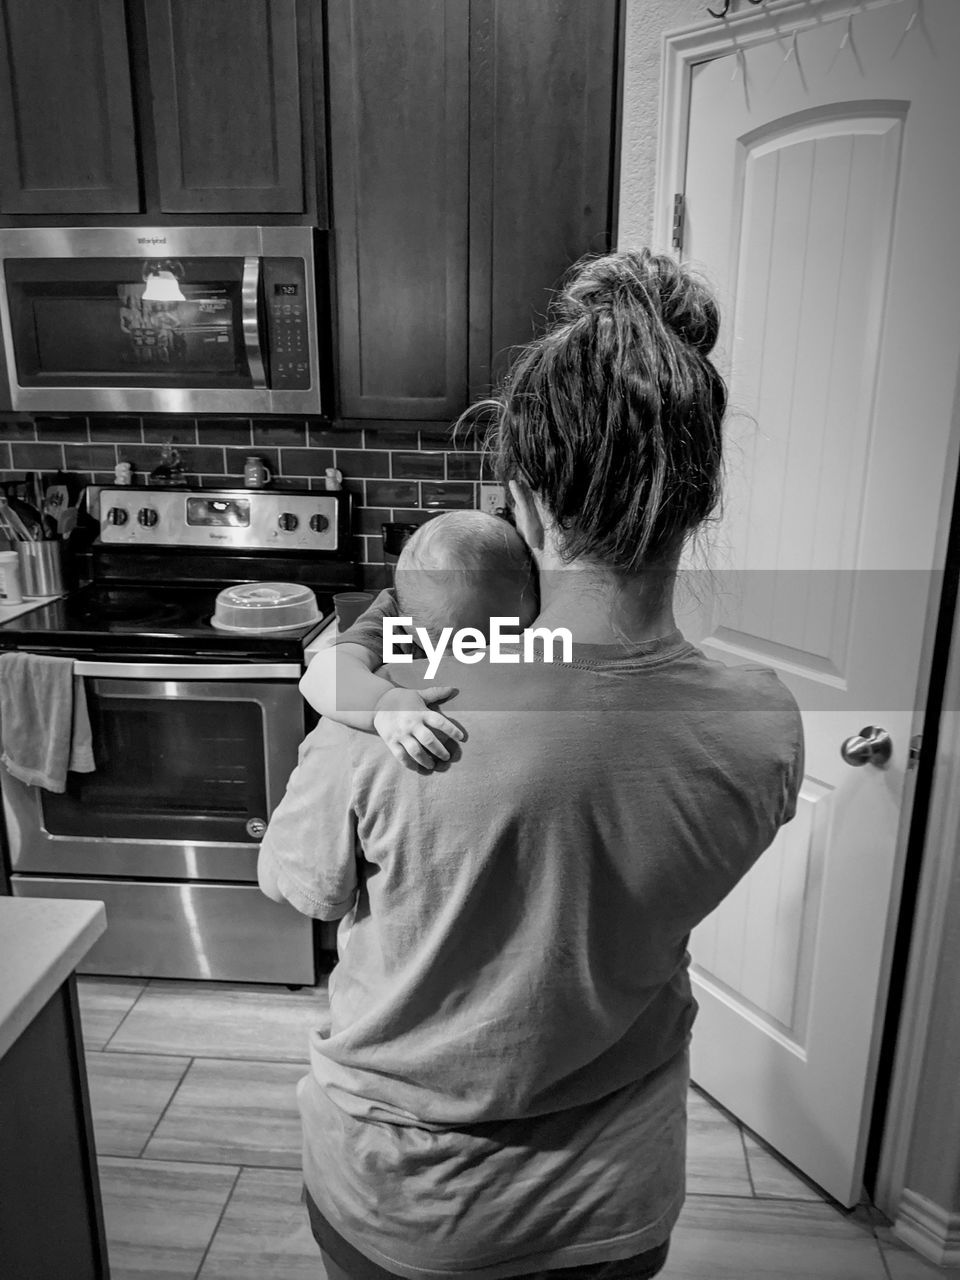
x=470, y=645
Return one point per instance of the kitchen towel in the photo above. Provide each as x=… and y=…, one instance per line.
x=44, y=722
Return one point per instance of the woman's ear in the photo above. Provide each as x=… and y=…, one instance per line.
x=527, y=513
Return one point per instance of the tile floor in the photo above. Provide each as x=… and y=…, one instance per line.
x=198, y=1138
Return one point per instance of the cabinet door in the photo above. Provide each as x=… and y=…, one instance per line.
x=224, y=77
x=67, y=142
x=399, y=172
x=543, y=107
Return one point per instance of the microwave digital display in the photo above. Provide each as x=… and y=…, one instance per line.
x=286, y=290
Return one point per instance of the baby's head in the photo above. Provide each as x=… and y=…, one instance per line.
x=463, y=568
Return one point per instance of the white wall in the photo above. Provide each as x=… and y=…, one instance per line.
x=646, y=23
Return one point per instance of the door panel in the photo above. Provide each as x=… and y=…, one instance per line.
x=399, y=126
x=821, y=176
x=226, y=105
x=66, y=111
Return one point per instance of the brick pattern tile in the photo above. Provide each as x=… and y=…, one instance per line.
x=396, y=471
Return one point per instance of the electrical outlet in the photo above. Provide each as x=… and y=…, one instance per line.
x=493, y=498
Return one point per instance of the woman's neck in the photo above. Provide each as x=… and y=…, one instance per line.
x=600, y=606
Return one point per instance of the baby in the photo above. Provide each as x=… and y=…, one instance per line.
x=458, y=570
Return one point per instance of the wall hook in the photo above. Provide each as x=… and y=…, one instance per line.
x=738, y=66
x=723, y=12
x=913, y=18
x=792, y=51
x=848, y=34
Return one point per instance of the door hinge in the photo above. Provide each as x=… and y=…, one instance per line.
x=916, y=749
x=679, y=211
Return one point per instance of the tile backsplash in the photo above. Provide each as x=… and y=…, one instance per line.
x=395, y=471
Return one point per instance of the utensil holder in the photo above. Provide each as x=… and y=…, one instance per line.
x=41, y=567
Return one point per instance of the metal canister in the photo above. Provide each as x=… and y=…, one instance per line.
x=41, y=567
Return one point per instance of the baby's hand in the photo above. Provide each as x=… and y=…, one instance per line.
x=405, y=722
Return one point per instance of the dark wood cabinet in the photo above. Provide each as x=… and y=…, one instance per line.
x=67, y=134
x=225, y=90
x=542, y=127
x=162, y=108
x=51, y=1220
x=471, y=152
x=399, y=129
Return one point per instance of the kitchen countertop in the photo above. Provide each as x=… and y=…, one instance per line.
x=42, y=940
x=8, y=611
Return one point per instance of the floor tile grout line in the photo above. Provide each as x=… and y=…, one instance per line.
x=124, y=1018
x=205, y=1057
x=746, y=1160
x=166, y=1108
x=216, y=1226
x=210, y=1162
x=888, y=1275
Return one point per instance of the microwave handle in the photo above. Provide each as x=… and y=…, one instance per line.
x=250, y=295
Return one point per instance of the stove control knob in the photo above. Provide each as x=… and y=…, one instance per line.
x=117, y=516
x=148, y=517
x=318, y=523
x=287, y=521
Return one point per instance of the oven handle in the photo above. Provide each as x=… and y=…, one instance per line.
x=190, y=670
x=250, y=295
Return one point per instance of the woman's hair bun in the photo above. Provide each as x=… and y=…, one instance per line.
x=619, y=283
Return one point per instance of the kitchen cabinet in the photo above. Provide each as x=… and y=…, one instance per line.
x=161, y=109
x=67, y=134
x=225, y=94
x=471, y=153
x=399, y=131
x=51, y=1219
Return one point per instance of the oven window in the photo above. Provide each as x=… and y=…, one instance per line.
x=87, y=321
x=167, y=769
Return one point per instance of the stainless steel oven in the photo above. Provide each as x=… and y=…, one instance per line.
x=195, y=730
x=191, y=760
x=165, y=319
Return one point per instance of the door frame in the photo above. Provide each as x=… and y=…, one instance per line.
x=681, y=51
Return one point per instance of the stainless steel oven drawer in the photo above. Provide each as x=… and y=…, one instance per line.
x=227, y=932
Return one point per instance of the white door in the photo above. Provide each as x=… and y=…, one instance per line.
x=823, y=188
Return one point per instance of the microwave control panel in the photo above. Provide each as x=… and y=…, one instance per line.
x=229, y=519
x=285, y=296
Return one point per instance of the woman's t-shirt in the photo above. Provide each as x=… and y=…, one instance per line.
x=503, y=1085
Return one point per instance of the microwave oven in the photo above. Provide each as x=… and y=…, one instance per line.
x=161, y=320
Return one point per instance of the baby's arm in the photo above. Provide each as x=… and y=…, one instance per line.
x=340, y=683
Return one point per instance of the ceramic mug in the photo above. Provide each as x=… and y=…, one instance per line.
x=256, y=473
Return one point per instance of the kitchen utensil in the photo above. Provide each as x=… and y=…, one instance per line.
x=13, y=521
x=41, y=568
x=265, y=606
x=349, y=605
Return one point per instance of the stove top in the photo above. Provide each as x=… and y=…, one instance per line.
x=163, y=556
x=145, y=619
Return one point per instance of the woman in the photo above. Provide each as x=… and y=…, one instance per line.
x=503, y=1088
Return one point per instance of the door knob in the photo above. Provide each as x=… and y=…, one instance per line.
x=870, y=746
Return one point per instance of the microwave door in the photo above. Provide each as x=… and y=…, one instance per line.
x=92, y=323
x=253, y=343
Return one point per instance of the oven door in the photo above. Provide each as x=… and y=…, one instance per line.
x=191, y=759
